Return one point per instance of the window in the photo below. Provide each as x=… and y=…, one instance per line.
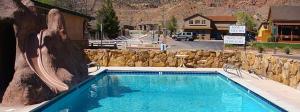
x=191, y=22
x=203, y=22
x=197, y=22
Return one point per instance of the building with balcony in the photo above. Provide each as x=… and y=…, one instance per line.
x=285, y=23
x=208, y=27
x=220, y=25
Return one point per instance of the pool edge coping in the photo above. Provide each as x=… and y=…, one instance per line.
x=259, y=93
x=50, y=102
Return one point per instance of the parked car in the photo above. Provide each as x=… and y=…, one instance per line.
x=250, y=36
x=188, y=36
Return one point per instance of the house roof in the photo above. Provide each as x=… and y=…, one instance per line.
x=195, y=15
x=148, y=23
x=223, y=18
x=48, y=7
x=261, y=24
x=284, y=13
x=214, y=18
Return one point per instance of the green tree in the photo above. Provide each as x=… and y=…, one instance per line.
x=109, y=20
x=172, y=24
x=245, y=19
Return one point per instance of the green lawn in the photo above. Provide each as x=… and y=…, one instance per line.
x=274, y=45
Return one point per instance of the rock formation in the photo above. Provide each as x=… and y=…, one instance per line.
x=133, y=11
x=45, y=64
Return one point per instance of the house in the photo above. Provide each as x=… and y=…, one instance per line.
x=285, y=23
x=263, y=32
x=125, y=27
x=220, y=25
x=76, y=23
x=210, y=27
x=198, y=24
x=147, y=25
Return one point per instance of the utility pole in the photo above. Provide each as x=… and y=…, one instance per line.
x=163, y=16
x=164, y=22
x=101, y=37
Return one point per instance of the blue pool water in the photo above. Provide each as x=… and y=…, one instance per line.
x=160, y=92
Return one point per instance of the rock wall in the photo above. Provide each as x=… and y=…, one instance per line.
x=282, y=70
x=204, y=59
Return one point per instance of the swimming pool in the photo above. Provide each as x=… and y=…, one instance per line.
x=113, y=91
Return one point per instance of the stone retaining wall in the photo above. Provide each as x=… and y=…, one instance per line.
x=282, y=70
x=204, y=59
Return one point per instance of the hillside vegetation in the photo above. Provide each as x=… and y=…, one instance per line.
x=156, y=11
x=133, y=12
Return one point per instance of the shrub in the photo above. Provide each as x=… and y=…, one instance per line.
x=273, y=45
x=287, y=50
x=261, y=49
x=107, y=16
x=230, y=45
x=172, y=25
x=251, y=44
x=271, y=38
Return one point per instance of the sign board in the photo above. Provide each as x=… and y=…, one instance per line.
x=163, y=47
x=237, y=29
x=234, y=39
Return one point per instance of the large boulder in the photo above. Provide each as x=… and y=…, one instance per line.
x=171, y=59
x=142, y=59
x=157, y=59
x=46, y=62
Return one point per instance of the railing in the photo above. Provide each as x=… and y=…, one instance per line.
x=122, y=44
x=289, y=37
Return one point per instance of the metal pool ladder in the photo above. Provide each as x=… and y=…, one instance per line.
x=93, y=64
x=230, y=66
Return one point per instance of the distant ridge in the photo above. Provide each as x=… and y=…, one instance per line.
x=133, y=12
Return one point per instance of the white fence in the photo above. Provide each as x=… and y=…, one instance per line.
x=121, y=44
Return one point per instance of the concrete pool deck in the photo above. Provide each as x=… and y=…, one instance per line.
x=281, y=95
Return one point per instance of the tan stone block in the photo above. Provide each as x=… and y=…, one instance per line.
x=199, y=53
x=286, y=81
x=285, y=70
x=270, y=74
x=142, y=64
x=293, y=69
x=277, y=78
x=159, y=64
x=117, y=61
x=215, y=63
x=294, y=81
x=206, y=54
x=171, y=62
x=213, y=54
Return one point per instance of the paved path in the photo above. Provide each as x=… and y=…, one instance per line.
x=196, y=45
x=190, y=45
x=186, y=45
x=280, y=94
